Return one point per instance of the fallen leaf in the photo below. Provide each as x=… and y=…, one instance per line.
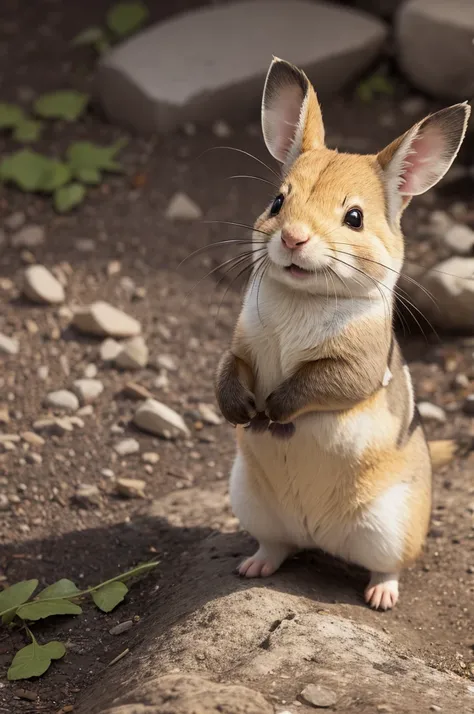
x=66, y=104
x=28, y=130
x=67, y=197
x=124, y=18
x=109, y=596
x=10, y=115
x=34, y=659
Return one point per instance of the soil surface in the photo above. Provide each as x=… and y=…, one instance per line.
x=44, y=532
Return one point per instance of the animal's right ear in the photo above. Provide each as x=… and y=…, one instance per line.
x=291, y=116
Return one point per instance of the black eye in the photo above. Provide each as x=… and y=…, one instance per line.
x=277, y=204
x=354, y=218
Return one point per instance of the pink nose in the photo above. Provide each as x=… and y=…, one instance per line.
x=294, y=238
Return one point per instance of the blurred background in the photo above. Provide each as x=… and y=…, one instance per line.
x=110, y=119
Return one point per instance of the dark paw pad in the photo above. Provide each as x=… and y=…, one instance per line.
x=282, y=431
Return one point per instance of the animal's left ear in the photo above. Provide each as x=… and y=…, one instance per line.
x=416, y=161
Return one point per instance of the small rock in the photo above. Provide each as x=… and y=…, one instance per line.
x=31, y=438
x=133, y=390
x=208, y=415
x=4, y=502
x=15, y=221
x=157, y=418
x=9, y=437
x=109, y=350
x=133, y=355
x=108, y=473
x=127, y=284
x=8, y=345
x=182, y=208
x=90, y=372
x=32, y=326
x=166, y=362
x=88, y=390
x=127, y=447
x=435, y=708
x=42, y=287
x=114, y=267
x=103, y=319
x=88, y=410
x=85, y=245
x=468, y=405
x=318, y=696
x=26, y=694
x=221, y=129
x=53, y=426
x=162, y=381
x=431, y=412
x=460, y=239
x=130, y=487
x=4, y=414
x=150, y=457
x=87, y=495
x=43, y=372
x=121, y=627
x=64, y=362
x=28, y=237
x=62, y=399
x=33, y=458
x=461, y=381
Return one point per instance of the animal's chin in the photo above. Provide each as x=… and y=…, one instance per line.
x=299, y=273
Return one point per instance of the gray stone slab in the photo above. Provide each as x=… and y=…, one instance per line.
x=434, y=46
x=211, y=63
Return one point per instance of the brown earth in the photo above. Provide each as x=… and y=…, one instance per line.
x=45, y=534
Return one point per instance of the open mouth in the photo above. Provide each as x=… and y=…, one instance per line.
x=298, y=272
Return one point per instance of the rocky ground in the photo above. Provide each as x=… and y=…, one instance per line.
x=69, y=447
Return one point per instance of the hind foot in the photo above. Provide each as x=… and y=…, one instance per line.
x=382, y=591
x=265, y=562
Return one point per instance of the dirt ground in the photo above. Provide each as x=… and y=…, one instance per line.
x=43, y=532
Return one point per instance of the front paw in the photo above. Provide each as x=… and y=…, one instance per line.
x=278, y=407
x=238, y=405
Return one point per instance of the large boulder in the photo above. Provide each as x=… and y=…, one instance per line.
x=211, y=63
x=434, y=44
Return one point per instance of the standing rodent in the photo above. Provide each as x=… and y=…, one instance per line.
x=330, y=450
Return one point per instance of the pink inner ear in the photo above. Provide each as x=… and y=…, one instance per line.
x=284, y=116
x=424, y=156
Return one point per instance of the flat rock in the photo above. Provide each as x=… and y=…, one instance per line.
x=157, y=418
x=133, y=355
x=318, y=696
x=104, y=320
x=451, y=284
x=87, y=495
x=434, y=46
x=57, y=427
x=431, y=412
x=208, y=415
x=150, y=457
x=215, y=76
x=121, y=627
x=460, y=239
x=28, y=237
x=8, y=345
x=127, y=447
x=88, y=390
x=109, y=349
x=62, y=399
x=42, y=287
x=182, y=208
x=130, y=487
x=138, y=392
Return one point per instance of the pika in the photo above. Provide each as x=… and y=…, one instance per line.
x=331, y=453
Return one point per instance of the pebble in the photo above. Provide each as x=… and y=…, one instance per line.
x=109, y=350
x=162, y=381
x=43, y=372
x=90, y=371
x=468, y=406
x=208, y=415
x=114, y=267
x=28, y=237
x=127, y=447
x=460, y=239
x=87, y=495
x=130, y=487
x=121, y=628
x=8, y=345
x=221, y=129
x=88, y=390
x=158, y=419
x=62, y=399
x=318, y=696
x=461, y=381
x=33, y=458
x=85, y=245
x=57, y=427
x=182, y=208
x=133, y=355
x=15, y=221
x=4, y=414
x=431, y=412
x=42, y=287
x=435, y=708
x=4, y=502
x=101, y=318
x=108, y=473
x=166, y=362
x=150, y=457
x=133, y=390
x=33, y=439
x=88, y=410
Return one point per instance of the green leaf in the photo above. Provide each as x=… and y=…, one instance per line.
x=17, y=594
x=38, y=609
x=89, y=36
x=31, y=171
x=124, y=18
x=63, y=588
x=89, y=176
x=84, y=155
x=28, y=130
x=10, y=115
x=33, y=660
x=66, y=104
x=67, y=197
x=109, y=596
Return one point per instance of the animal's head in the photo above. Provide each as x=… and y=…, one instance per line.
x=334, y=224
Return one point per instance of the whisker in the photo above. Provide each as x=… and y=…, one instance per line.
x=256, y=178
x=220, y=266
x=220, y=243
x=241, y=151
x=241, y=272
x=240, y=225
